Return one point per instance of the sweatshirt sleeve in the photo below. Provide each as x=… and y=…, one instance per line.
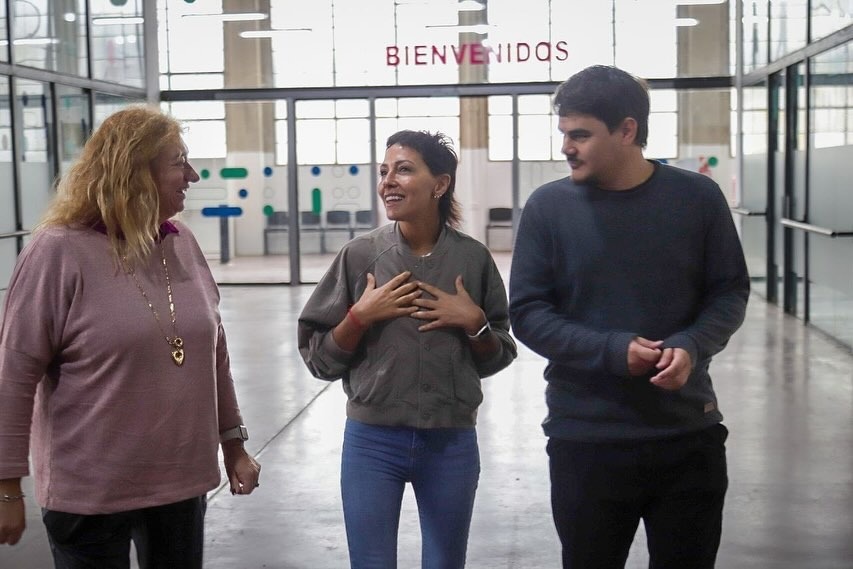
x=726, y=286
x=536, y=319
x=41, y=291
x=324, y=310
x=497, y=313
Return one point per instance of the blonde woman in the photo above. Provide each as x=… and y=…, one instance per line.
x=112, y=348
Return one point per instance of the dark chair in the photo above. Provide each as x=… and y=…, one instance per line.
x=363, y=221
x=277, y=222
x=337, y=220
x=309, y=222
x=500, y=218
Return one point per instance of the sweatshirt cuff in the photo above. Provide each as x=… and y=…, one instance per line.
x=334, y=351
x=617, y=353
x=685, y=342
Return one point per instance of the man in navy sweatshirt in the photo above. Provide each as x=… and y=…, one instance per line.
x=628, y=276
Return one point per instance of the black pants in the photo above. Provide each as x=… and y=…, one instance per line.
x=601, y=491
x=166, y=537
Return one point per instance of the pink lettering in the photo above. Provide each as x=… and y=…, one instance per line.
x=460, y=53
x=562, y=52
x=391, y=57
x=439, y=53
x=547, y=51
x=420, y=55
x=478, y=54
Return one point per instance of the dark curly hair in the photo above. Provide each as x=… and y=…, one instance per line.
x=436, y=150
x=608, y=94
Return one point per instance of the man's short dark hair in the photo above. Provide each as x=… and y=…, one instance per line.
x=608, y=94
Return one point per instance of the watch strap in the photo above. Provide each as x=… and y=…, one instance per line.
x=238, y=432
x=481, y=332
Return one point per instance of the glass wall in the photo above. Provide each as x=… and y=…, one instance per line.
x=37, y=165
x=790, y=196
x=755, y=232
x=755, y=34
x=8, y=203
x=788, y=26
x=118, y=44
x=73, y=124
x=50, y=35
x=417, y=42
x=828, y=17
x=52, y=85
x=831, y=201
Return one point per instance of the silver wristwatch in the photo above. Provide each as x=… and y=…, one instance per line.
x=238, y=432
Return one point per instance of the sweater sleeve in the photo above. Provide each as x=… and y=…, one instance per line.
x=726, y=286
x=38, y=300
x=536, y=319
x=324, y=310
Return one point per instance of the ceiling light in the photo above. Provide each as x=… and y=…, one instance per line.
x=686, y=22
x=462, y=6
x=471, y=6
x=255, y=34
x=31, y=41
x=230, y=17
x=118, y=21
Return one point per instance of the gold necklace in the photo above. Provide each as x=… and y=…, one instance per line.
x=176, y=344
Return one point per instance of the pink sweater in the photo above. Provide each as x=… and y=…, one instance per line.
x=116, y=425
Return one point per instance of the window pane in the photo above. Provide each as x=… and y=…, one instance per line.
x=315, y=109
x=48, y=38
x=195, y=44
x=74, y=123
x=281, y=142
x=105, y=105
x=500, y=105
x=346, y=108
x=500, y=139
x=205, y=139
x=7, y=185
x=534, y=104
x=118, y=49
x=828, y=17
x=197, y=110
x=36, y=168
x=787, y=26
x=352, y=144
x=4, y=39
x=663, y=136
x=315, y=141
x=534, y=140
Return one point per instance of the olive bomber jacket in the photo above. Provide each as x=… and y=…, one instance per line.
x=398, y=375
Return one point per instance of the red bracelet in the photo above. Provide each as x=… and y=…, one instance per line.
x=355, y=319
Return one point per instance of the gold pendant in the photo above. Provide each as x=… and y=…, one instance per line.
x=178, y=353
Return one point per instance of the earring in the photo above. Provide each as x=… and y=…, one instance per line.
x=435, y=196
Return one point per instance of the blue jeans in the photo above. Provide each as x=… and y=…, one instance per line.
x=443, y=466
x=601, y=491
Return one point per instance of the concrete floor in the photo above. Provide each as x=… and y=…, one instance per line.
x=786, y=392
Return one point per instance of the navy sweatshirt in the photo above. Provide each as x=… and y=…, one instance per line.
x=592, y=269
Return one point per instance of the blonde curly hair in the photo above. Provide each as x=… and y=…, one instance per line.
x=111, y=181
